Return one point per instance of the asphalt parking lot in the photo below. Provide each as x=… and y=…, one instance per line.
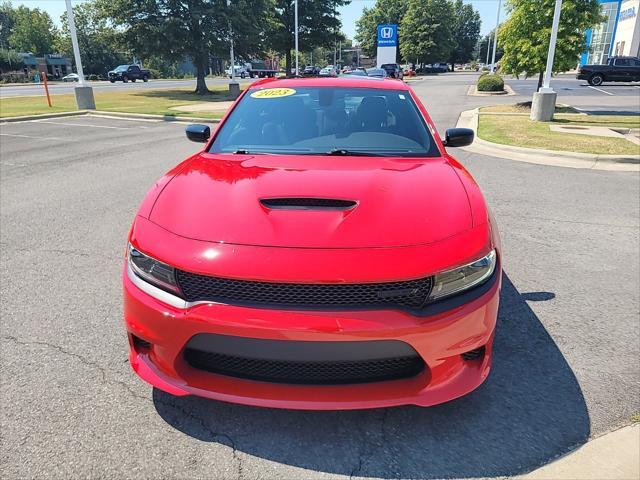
x=566, y=353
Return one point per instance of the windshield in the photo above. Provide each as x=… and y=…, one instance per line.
x=326, y=121
x=121, y=67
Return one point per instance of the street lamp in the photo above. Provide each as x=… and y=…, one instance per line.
x=544, y=100
x=84, y=93
x=495, y=39
x=296, y=33
x=234, y=87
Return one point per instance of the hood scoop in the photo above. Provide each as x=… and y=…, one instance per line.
x=307, y=203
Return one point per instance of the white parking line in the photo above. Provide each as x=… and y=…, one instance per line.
x=34, y=137
x=600, y=90
x=84, y=125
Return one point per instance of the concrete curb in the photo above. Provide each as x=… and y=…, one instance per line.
x=469, y=119
x=614, y=456
x=507, y=92
x=142, y=116
x=26, y=118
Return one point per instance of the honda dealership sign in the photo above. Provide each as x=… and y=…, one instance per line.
x=387, y=44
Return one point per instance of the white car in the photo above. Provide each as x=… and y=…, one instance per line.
x=72, y=77
x=329, y=71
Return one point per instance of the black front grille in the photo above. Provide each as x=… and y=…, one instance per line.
x=407, y=294
x=306, y=372
x=307, y=203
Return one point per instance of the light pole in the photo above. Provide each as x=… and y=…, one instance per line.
x=488, y=49
x=84, y=93
x=234, y=87
x=296, y=35
x=544, y=100
x=495, y=39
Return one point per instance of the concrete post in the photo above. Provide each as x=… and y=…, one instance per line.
x=543, y=106
x=234, y=89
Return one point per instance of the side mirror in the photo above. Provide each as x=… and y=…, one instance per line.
x=458, y=137
x=198, y=133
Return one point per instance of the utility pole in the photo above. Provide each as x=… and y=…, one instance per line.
x=495, y=39
x=544, y=100
x=234, y=87
x=296, y=35
x=84, y=93
x=488, y=49
x=334, y=54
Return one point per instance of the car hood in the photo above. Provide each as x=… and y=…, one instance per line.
x=395, y=202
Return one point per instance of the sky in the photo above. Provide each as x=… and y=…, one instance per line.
x=349, y=14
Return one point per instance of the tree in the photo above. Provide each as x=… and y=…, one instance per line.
x=487, y=41
x=32, y=31
x=426, y=31
x=526, y=33
x=100, y=43
x=318, y=26
x=466, y=31
x=384, y=11
x=7, y=21
x=194, y=29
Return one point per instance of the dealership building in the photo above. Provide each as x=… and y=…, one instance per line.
x=619, y=34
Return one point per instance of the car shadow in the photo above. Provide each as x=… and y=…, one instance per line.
x=529, y=411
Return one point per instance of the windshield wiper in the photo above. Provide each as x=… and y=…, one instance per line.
x=353, y=153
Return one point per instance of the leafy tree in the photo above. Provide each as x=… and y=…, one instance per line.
x=526, y=33
x=384, y=11
x=487, y=41
x=318, y=26
x=466, y=31
x=427, y=31
x=99, y=42
x=10, y=61
x=7, y=21
x=32, y=31
x=194, y=29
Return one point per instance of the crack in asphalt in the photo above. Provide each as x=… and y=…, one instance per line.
x=103, y=373
x=367, y=453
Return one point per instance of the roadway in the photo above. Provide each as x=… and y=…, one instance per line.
x=566, y=350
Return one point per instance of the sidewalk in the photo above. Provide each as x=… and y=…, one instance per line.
x=614, y=456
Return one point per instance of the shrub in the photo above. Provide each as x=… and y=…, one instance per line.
x=92, y=77
x=490, y=83
x=155, y=73
x=14, y=77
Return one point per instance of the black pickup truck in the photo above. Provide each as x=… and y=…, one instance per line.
x=129, y=72
x=617, y=69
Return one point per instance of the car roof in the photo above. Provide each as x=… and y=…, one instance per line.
x=347, y=81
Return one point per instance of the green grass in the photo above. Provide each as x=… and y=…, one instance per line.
x=519, y=131
x=156, y=102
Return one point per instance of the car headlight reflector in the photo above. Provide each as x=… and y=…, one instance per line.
x=153, y=271
x=463, y=278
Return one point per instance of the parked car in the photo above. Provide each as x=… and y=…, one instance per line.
x=441, y=67
x=329, y=71
x=617, y=69
x=357, y=72
x=255, y=69
x=393, y=70
x=128, y=72
x=323, y=250
x=377, y=72
x=72, y=77
x=311, y=70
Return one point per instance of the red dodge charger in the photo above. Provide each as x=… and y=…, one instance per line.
x=323, y=251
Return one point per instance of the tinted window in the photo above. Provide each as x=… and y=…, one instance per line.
x=621, y=62
x=318, y=120
x=635, y=62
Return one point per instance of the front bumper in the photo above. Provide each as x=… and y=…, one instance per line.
x=440, y=339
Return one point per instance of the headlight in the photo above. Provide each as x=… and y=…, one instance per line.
x=462, y=278
x=151, y=270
